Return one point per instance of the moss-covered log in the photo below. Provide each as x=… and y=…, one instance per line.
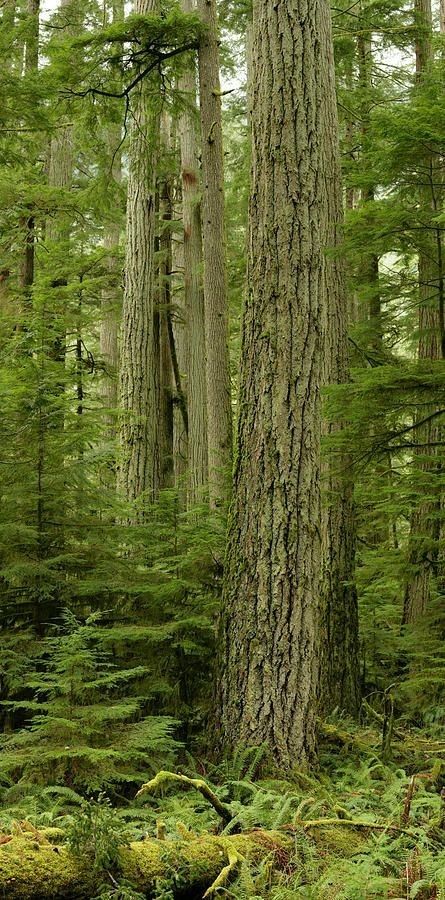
x=33, y=870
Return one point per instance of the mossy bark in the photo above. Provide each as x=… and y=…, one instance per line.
x=30, y=870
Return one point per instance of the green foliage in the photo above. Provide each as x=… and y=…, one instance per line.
x=84, y=729
x=96, y=833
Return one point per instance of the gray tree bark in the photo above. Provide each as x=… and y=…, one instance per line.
x=162, y=314
x=193, y=287
x=219, y=407
x=111, y=298
x=269, y=641
x=139, y=470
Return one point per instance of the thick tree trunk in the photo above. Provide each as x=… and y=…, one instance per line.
x=219, y=407
x=425, y=520
x=139, y=471
x=270, y=622
x=194, y=294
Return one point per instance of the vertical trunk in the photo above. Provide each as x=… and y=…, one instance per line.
x=110, y=311
x=61, y=163
x=52, y=360
x=369, y=264
x=379, y=533
x=139, y=472
x=424, y=531
x=32, y=36
x=219, y=408
x=163, y=313
x=270, y=622
x=178, y=333
x=194, y=295
x=57, y=238
x=339, y=675
x=26, y=275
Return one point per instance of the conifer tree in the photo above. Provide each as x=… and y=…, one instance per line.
x=219, y=408
x=270, y=620
x=110, y=312
x=139, y=468
x=425, y=521
x=193, y=287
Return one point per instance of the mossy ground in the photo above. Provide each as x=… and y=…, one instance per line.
x=291, y=834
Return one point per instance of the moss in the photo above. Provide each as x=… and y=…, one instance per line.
x=338, y=841
x=33, y=871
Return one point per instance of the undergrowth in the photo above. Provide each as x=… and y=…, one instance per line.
x=396, y=851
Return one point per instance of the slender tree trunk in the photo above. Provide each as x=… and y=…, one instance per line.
x=111, y=300
x=339, y=676
x=26, y=275
x=425, y=527
x=163, y=313
x=139, y=471
x=270, y=622
x=369, y=263
x=179, y=340
x=193, y=286
x=219, y=407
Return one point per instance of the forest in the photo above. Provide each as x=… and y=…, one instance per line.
x=222, y=394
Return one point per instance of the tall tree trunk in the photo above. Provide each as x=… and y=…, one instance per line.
x=111, y=301
x=269, y=639
x=425, y=527
x=219, y=407
x=179, y=340
x=26, y=275
x=194, y=294
x=369, y=264
x=139, y=471
x=163, y=313
x=339, y=676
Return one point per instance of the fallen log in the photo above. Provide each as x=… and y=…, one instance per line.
x=32, y=870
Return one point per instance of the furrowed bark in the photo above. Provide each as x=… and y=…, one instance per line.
x=111, y=297
x=139, y=470
x=269, y=670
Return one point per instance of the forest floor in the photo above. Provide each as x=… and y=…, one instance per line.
x=370, y=823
